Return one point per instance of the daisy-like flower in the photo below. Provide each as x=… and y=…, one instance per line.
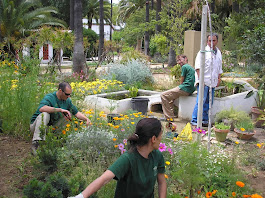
x=63, y=132
x=166, y=176
x=170, y=151
x=256, y=196
x=199, y=130
x=116, y=146
x=132, y=122
x=162, y=147
x=242, y=129
x=233, y=194
x=167, y=163
x=260, y=145
x=198, y=192
x=236, y=142
x=246, y=196
x=114, y=139
x=125, y=141
x=122, y=130
x=240, y=184
x=209, y=194
x=214, y=192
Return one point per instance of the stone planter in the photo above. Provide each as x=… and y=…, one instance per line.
x=244, y=135
x=221, y=134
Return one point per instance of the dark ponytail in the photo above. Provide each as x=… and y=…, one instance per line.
x=146, y=128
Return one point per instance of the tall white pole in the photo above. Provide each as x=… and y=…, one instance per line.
x=202, y=67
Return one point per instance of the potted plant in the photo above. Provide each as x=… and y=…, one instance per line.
x=221, y=130
x=231, y=117
x=245, y=130
x=258, y=110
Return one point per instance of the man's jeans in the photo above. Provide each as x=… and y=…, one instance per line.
x=206, y=95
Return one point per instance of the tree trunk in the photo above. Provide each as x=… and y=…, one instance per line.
x=110, y=33
x=158, y=10
x=72, y=4
x=235, y=7
x=101, y=31
x=79, y=63
x=172, y=57
x=139, y=45
x=146, y=36
x=212, y=5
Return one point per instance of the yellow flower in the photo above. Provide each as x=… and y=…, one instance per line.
x=67, y=129
x=167, y=163
x=260, y=145
x=75, y=129
x=116, y=126
x=236, y=142
x=132, y=122
x=114, y=139
x=68, y=125
x=150, y=112
x=75, y=122
x=214, y=192
x=242, y=129
x=240, y=184
x=166, y=176
x=63, y=132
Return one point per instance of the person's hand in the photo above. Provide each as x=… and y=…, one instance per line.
x=88, y=122
x=66, y=114
x=78, y=196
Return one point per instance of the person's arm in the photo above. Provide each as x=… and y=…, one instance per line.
x=49, y=109
x=198, y=73
x=182, y=79
x=81, y=116
x=219, y=80
x=162, y=185
x=98, y=183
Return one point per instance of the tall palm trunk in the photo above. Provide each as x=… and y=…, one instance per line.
x=146, y=36
x=79, y=63
x=101, y=31
x=172, y=57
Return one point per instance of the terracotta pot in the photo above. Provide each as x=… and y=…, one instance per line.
x=255, y=113
x=221, y=134
x=244, y=135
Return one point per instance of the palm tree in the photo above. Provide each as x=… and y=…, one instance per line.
x=101, y=31
x=128, y=7
x=20, y=16
x=79, y=63
x=92, y=7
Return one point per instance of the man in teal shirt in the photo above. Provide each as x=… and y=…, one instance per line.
x=53, y=108
x=185, y=88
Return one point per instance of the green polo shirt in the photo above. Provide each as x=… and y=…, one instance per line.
x=137, y=175
x=52, y=101
x=188, y=73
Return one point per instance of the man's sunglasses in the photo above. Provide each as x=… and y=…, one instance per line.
x=67, y=94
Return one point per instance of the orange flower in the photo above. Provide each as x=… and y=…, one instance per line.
x=63, y=132
x=233, y=194
x=114, y=139
x=240, y=184
x=199, y=192
x=75, y=129
x=256, y=196
x=214, y=191
x=166, y=176
x=208, y=194
x=246, y=196
x=186, y=197
x=116, y=126
x=53, y=128
x=115, y=146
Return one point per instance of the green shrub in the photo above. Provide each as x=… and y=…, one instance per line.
x=132, y=55
x=131, y=72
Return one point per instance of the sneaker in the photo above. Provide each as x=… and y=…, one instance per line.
x=34, y=147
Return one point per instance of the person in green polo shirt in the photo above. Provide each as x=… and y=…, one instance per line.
x=52, y=110
x=185, y=88
x=138, y=169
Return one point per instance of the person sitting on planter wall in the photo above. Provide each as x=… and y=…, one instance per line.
x=138, y=169
x=54, y=109
x=185, y=88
